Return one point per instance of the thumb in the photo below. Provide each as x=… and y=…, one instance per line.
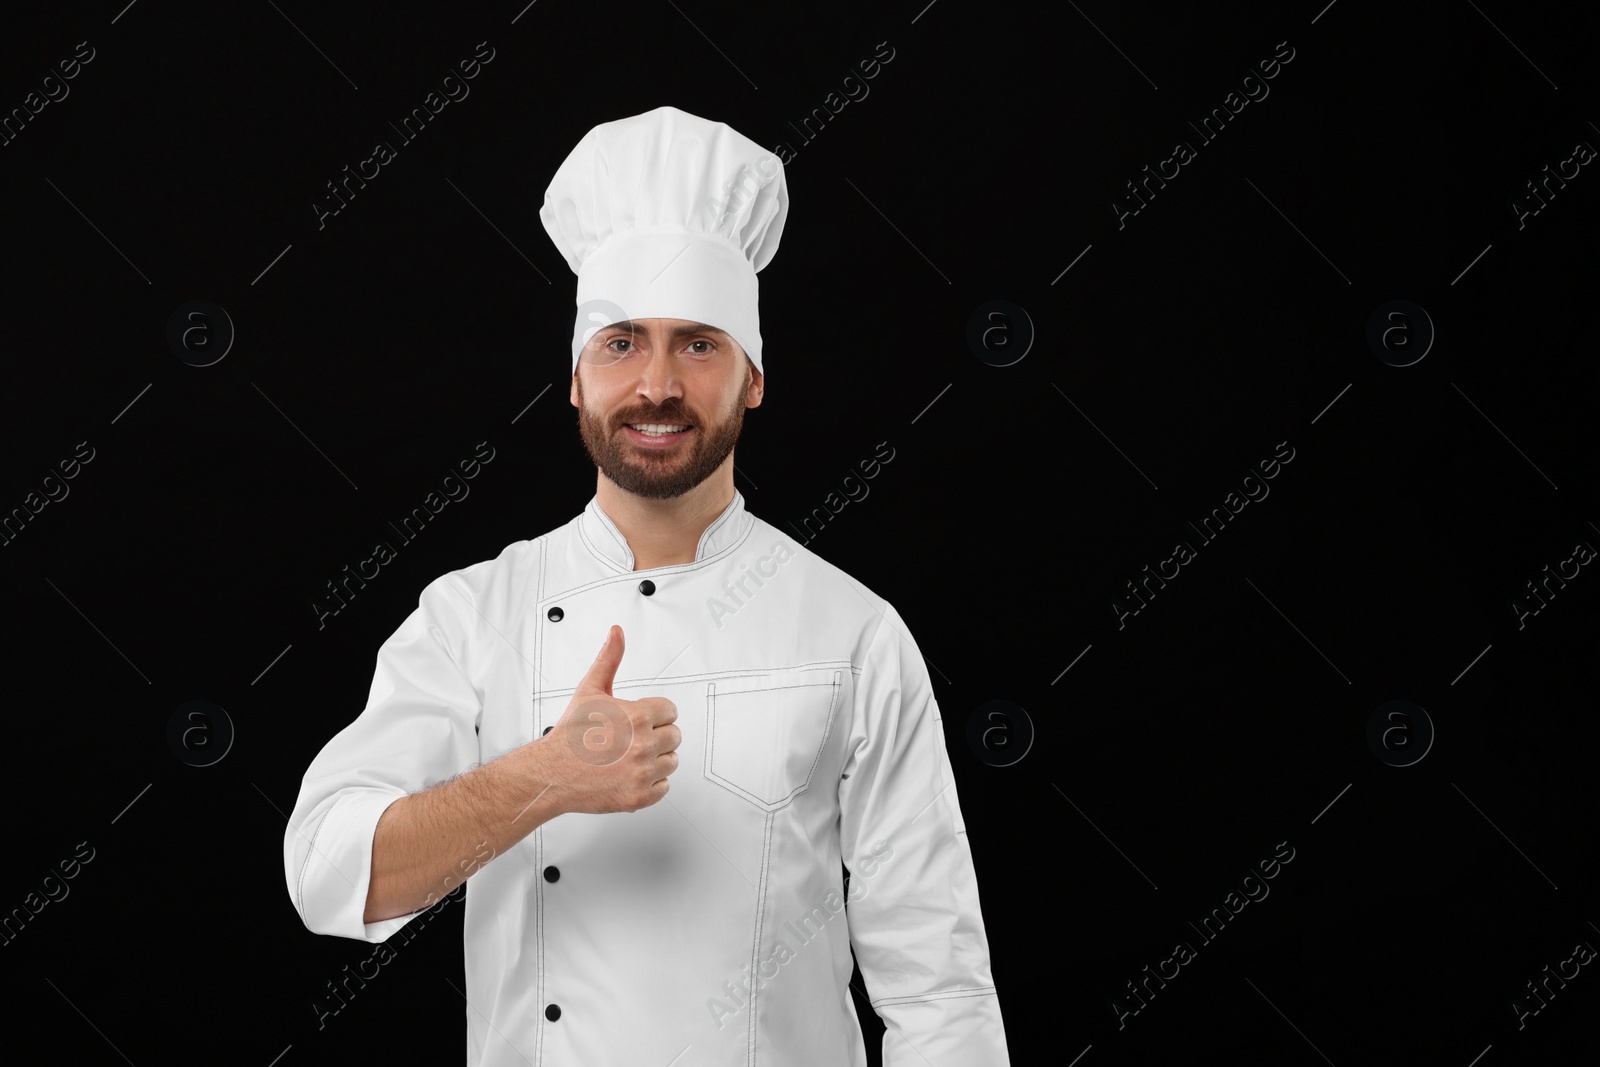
x=604, y=669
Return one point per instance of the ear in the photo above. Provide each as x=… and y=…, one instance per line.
x=572, y=394
x=752, y=395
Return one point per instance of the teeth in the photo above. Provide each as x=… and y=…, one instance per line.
x=656, y=429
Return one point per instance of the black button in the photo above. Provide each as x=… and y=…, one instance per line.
x=555, y=614
x=647, y=587
x=551, y=874
x=552, y=1012
x=547, y=729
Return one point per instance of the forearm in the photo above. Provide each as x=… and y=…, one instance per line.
x=429, y=842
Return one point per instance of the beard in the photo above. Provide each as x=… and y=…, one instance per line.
x=660, y=475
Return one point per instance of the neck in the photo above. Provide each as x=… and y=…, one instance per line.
x=661, y=533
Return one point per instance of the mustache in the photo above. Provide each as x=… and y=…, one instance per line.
x=668, y=413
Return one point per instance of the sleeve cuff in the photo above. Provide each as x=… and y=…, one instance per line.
x=335, y=870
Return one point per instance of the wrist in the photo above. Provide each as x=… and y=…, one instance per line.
x=535, y=784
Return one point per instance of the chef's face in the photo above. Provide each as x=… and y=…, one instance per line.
x=658, y=373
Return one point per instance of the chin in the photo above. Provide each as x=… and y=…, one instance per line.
x=652, y=491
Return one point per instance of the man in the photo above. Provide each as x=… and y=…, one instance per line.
x=654, y=833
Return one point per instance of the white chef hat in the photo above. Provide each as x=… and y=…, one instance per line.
x=667, y=215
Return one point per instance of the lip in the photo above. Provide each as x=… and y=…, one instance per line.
x=644, y=440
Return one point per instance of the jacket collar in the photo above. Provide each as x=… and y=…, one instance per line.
x=601, y=536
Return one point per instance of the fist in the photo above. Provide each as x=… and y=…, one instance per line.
x=605, y=754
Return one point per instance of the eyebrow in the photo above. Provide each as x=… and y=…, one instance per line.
x=676, y=331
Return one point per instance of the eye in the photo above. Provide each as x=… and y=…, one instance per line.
x=710, y=347
x=618, y=340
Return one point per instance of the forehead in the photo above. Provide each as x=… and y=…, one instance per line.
x=671, y=327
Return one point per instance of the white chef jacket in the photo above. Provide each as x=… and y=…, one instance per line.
x=713, y=927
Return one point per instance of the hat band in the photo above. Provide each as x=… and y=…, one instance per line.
x=668, y=272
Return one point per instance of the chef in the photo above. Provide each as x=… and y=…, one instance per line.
x=655, y=738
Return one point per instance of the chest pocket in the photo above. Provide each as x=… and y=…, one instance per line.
x=766, y=735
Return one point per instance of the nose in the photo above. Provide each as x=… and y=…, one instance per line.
x=658, y=378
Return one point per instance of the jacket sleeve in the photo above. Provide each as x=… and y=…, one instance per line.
x=915, y=923
x=416, y=730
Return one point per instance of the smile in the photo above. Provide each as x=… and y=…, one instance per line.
x=657, y=435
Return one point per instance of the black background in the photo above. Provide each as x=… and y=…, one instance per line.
x=1229, y=315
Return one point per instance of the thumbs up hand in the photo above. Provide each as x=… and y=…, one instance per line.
x=605, y=754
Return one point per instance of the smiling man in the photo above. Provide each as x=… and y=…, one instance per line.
x=674, y=854
x=665, y=457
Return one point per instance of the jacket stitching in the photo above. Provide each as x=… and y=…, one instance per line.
x=711, y=739
x=827, y=730
x=755, y=948
x=954, y=994
x=763, y=672
x=711, y=744
x=626, y=563
x=677, y=568
x=538, y=651
x=540, y=1023
x=722, y=520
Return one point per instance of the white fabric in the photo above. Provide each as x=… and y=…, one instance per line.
x=811, y=738
x=667, y=215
